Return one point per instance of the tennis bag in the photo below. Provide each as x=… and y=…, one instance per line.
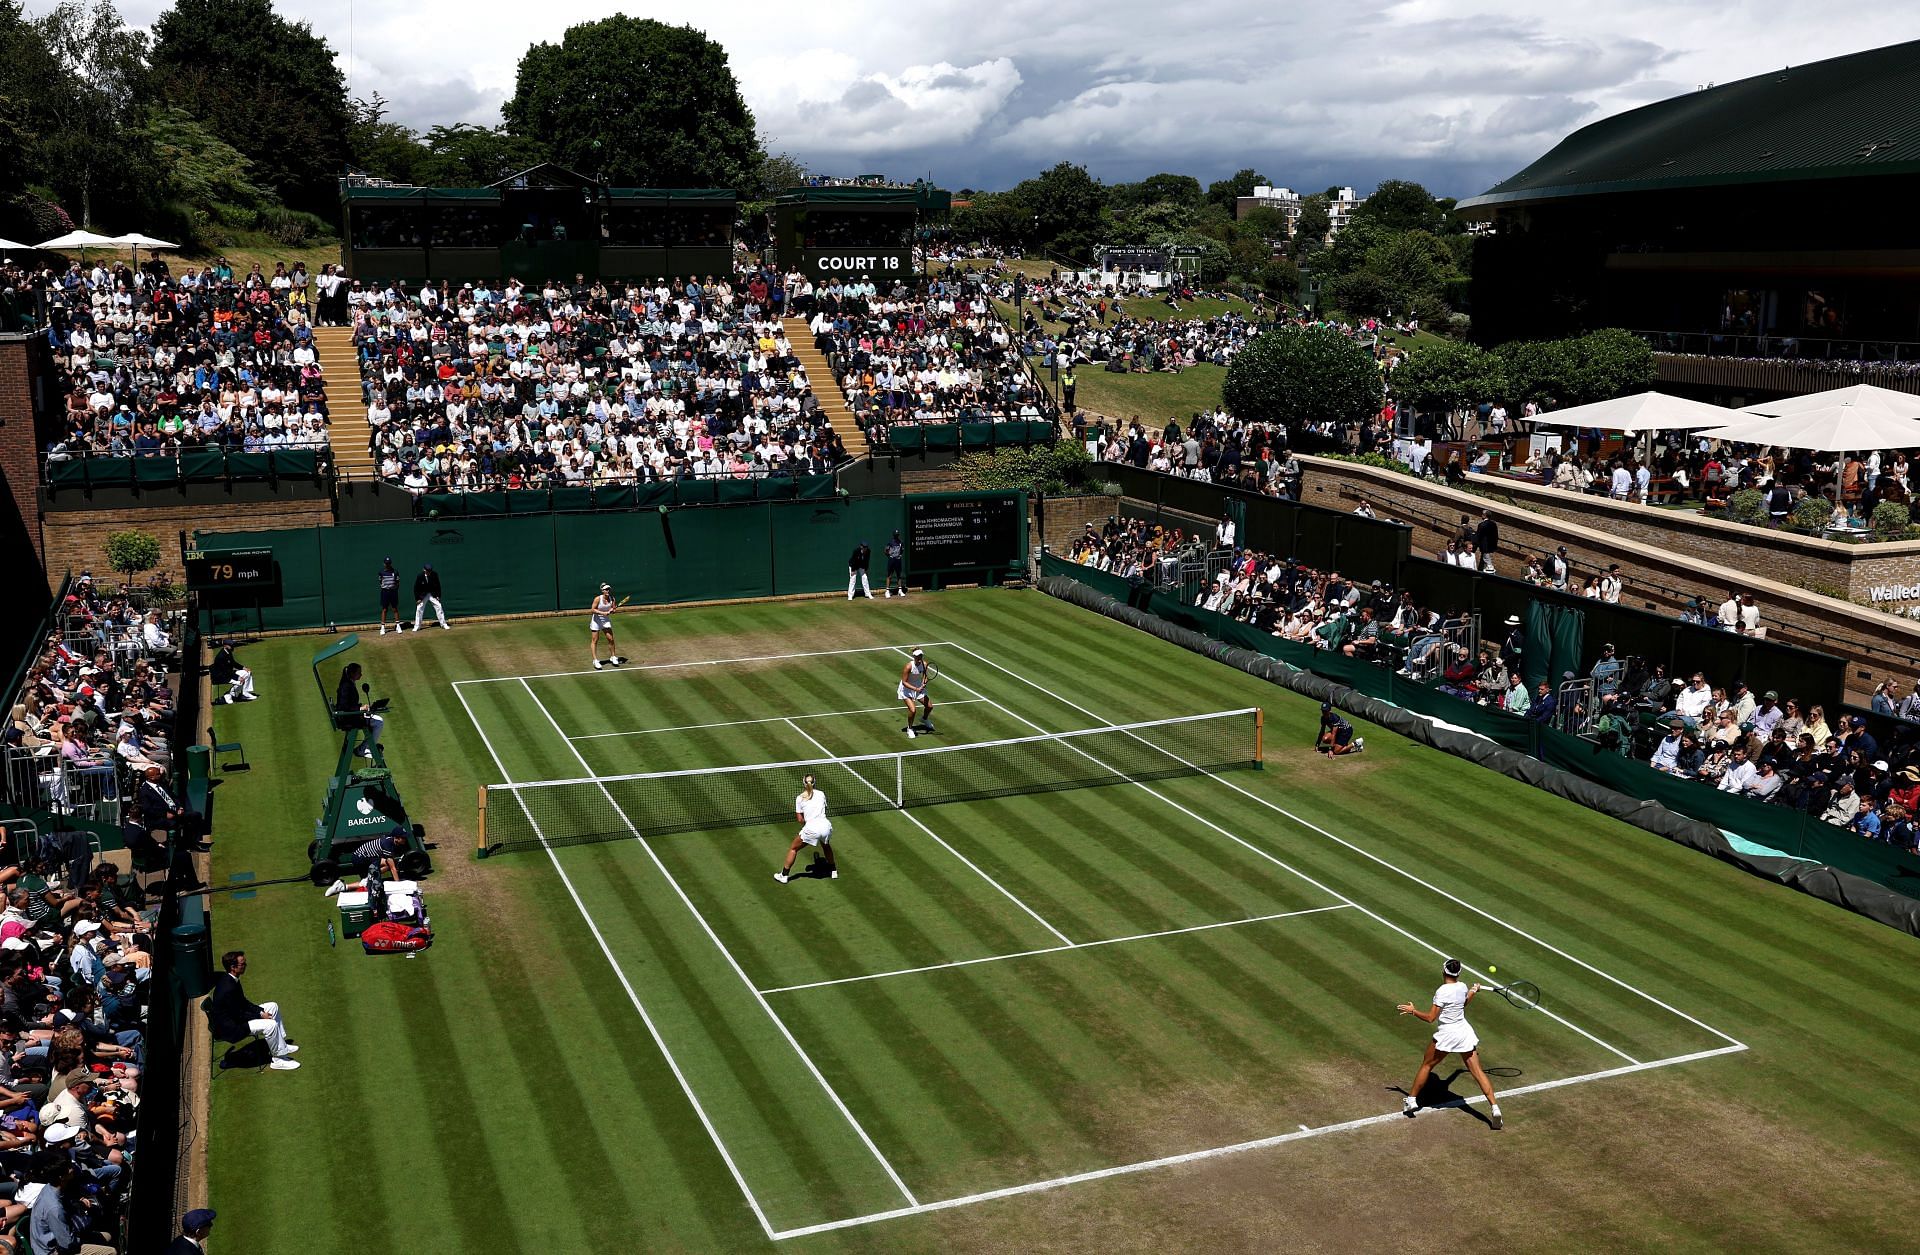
x=391, y=937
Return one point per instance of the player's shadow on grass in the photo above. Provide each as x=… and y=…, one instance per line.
x=1439, y=1092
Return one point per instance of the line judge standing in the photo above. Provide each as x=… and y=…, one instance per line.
x=426, y=592
x=857, y=565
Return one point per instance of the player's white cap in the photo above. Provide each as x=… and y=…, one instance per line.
x=606, y=588
x=919, y=653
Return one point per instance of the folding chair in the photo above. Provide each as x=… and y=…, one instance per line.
x=227, y=747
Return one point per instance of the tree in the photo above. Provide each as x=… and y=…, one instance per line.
x=265, y=85
x=1361, y=294
x=464, y=155
x=375, y=146
x=1537, y=370
x=1400, y=205
x=1608, y=363
x=1062, y=208
x=1182, y=190
x=992, y=218
x=1449, y=376
x=1278, y=278
x=1301, y=375
x=777, y=173
x=1226, y=191
x=1264, y=223
x=1311, y=227
x=637, y=103
x=132, y=552
x=91, y=106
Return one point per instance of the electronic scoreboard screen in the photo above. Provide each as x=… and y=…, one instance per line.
x=215, y=570
x=966, y=531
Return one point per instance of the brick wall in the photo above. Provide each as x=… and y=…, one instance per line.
x=76, y=539
x=1665, y=559
x=19, y=469
x=1067, y=518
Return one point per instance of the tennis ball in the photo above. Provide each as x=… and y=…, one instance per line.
x=1491, y=969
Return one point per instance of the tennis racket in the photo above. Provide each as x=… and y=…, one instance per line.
x=1521, y=993
x=623, y=601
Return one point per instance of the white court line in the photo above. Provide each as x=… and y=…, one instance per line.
x=694, y=662
x=632, y=996
x=741, y=723
x=1027, y=954
x=1313, y=827
x=915, y=820
x=1238, y=1148
x=728, y=955
x=1422, y=942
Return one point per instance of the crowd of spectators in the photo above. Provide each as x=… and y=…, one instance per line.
x=1759, y=746
x=1213, y=447
x=75, y=934
x=512, y=385
x=150, y=364
x=1100, y=330
x=931, y=350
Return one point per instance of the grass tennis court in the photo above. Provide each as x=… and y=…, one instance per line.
x=1134, y=1015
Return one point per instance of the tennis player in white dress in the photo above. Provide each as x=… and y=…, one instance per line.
x=600, y=623
x=816, y=830
x=915, y=693
x=1452, y=1035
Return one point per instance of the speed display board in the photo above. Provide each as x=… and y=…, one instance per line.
x=966, y=531
x=209, y=569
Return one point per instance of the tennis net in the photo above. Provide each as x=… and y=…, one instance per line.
x=603, y=808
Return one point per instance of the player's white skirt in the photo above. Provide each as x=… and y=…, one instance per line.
x=1456, y=1038
x=907, y=694
x=815, y=834
x=601, y=623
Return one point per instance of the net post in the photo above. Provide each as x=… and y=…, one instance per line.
x=899, y=781
x=480, y=836
x=1259, y=737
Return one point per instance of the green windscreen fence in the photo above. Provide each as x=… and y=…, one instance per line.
x=538, y=563
x=193, y=466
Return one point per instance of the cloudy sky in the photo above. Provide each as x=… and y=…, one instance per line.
x=982, y=95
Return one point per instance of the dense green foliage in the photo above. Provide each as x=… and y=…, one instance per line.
x=132, y=552
x=1050, y=468
x=1810, y=514
x=1300, y=375
x=1449, y=376
x=1891, y=520
x=637, y=103
x=1597, y=366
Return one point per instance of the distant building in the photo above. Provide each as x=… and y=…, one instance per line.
x=1751, y=230
x=1340, y=206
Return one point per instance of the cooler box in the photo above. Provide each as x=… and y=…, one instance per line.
x=356, y=912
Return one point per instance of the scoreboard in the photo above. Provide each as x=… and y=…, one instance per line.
x=227, y=578
x=966, y=531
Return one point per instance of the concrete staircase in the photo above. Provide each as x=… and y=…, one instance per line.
x=826, y=389
x=347, y=412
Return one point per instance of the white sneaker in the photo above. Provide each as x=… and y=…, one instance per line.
x=290, y=1050
x=283, y=1065
x=782, y=877
x=1359, y=742
x=911, y=734
x=889, y=594
x=619, y=660
x=446, y=627
x=383, y=629
x=334, y=889
x=1410, y=1107
x=598, y=665
x=834, y=874
x=1493, y=1118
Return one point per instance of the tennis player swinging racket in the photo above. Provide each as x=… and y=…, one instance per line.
x=1452, y=1035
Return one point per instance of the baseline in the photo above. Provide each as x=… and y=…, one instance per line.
x=1237, y=1148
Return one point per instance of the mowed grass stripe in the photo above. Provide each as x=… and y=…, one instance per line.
x=801, y=1158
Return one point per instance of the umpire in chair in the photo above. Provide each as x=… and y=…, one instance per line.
x=351, y=710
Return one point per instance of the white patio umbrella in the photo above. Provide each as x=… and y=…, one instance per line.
x=13, y=246
x=137, y=241
x=1830, y=429
x=77, y=239
x=1864, y=397
x=1641, y=412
